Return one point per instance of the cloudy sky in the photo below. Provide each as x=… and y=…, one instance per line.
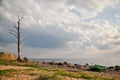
x=63, y=28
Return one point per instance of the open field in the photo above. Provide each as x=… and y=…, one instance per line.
x=13, y=70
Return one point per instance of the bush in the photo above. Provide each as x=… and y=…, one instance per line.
x=97, y=68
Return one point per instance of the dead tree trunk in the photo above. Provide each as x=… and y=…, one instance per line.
x=19, y=58
x=17, y=33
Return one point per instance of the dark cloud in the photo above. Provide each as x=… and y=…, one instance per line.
x=7, y=38
x=43, y=41
x=52, y=37
x=104, y=47
x=5, y=35
x=108, y=46
x=116, y=43
x=0, y=2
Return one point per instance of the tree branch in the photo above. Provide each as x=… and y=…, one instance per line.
x=15, y=26
x=13, y=31
x=19, y=19
x=14, y=34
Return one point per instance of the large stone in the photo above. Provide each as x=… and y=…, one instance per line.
x=117, y=68
x=25, y=59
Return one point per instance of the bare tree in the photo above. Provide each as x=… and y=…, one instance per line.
x=17, y=34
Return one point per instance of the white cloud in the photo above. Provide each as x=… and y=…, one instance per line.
x=53, y=11
x=90, y=8
x=43, y=14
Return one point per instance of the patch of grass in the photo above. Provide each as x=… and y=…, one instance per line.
x=16, y=63
x=85, y=76
x=89, y=76
x=69, y=74
x=42, y=78
x=49, y=77
x=7, y=72
x=2, y=62
x=12, y=62
x=1, y=54
x=31, y=65
x=55, y=77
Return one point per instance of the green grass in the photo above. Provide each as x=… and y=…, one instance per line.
x=55, y=77
x=90, y=76
x=83, y=75
x=2, y=62
x=7, y=72
x=1, y=54
x=68, y=74
x=16, y=63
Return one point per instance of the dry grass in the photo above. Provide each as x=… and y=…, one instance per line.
x=7, y=56
x=29, y=71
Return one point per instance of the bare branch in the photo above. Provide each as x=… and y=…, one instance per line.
x=13, y=31
x=19, y=19
x=15, y=26
x=14, y=34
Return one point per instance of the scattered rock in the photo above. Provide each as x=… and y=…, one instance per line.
x=111, y=68
x=117, y=68
x=25, y=59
